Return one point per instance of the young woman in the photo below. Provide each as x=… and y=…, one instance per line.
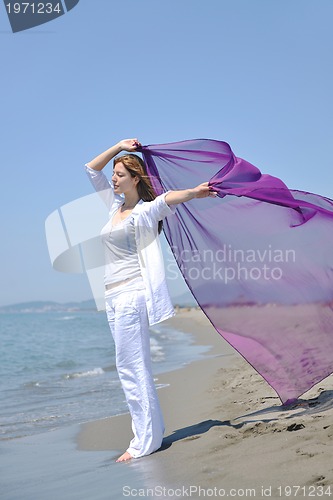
x=136, y=292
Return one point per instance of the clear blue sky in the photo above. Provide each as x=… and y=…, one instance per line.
x=255, y=73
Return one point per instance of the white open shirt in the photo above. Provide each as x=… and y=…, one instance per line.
x=146, y=215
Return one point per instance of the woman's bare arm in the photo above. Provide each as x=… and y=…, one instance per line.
x=103, y=159
x=183, y=195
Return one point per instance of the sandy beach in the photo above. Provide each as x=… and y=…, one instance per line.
x=226, y=429
x=227, y=434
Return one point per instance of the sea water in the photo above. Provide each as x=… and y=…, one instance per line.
x=58, y=368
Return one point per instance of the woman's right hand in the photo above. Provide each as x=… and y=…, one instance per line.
x=129, y=144
x=101, y=160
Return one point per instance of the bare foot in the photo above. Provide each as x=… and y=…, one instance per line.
x=125, y=456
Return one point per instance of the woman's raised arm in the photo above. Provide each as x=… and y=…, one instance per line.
x=103, y=159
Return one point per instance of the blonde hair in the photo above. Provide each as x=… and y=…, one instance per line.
x=137, y=168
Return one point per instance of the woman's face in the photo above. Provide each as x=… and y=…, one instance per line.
x=122, y=180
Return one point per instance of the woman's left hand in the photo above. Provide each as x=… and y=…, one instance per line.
x=203, y=191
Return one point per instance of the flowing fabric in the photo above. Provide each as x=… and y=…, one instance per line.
x=258, y=259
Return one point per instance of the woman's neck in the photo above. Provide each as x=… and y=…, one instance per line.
x=130, y=201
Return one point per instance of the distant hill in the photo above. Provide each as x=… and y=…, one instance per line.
x=184, y=300
x=45, y=306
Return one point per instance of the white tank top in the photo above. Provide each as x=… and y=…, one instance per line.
x=121, y=256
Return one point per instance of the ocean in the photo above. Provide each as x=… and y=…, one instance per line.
x=58, y=368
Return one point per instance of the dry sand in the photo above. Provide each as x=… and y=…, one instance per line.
x=226, y=429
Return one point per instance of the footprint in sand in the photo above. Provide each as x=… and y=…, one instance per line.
x=318, y=480
x=191, y=438
x=295, y=427
x=306, y=453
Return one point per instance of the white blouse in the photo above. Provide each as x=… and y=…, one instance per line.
x=120, y=251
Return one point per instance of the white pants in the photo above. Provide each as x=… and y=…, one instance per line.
x=128, y=320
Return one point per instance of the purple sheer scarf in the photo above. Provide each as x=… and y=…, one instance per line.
x=258, y=259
